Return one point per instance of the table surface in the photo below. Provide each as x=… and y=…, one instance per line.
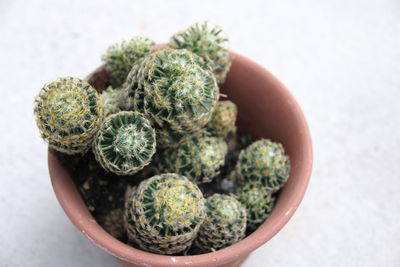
x=340, y=59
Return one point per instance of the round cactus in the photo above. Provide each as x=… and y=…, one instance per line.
x=223, y=119
x=225, y=223
x=199, y=159
x=164, y=214
x=258, y=202
x=175, y=91
x=207, y=43
x=112, y=100
x=263, y=161
x=68, y=114
x=125, y=143
x=120, y=57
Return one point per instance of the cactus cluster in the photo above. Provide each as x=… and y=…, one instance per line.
x=120, y=57
x=176, y=91
x=68, y=114
x=208, y=43
x=199, y=159
x=125, y=143
x=162, y=109
x=164, y=214
x=223, y=119
x=225, y=223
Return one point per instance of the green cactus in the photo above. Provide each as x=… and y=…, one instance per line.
x=223, y=119
x=175, y=91
x=225, y=223
x=164, y=214
x=263, y=161
x=258, y=202
x=207, y=43
x=199, y=159
x=68, y=114
x=120, y=57
x=125, y=143
x=112, y=100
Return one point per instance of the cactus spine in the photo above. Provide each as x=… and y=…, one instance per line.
x=164, y=214
x=125, y=143
x=68, y=114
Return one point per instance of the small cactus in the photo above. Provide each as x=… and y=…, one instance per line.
x=164, y=214
x=258, y=202
x=125, y=143
x=207, y=43
x=223, y=119
x=199, y=159
x=263, y=161
x=120, y=57
x=225, y=223
x=112, y=100
x=175, y=91
x=68, y=114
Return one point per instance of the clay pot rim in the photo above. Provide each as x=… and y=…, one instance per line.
x=265, y=232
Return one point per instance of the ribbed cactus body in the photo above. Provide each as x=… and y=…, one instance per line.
x=223, y=119
x=258, y=202
x=225, y=223
x=199, y=159
x=164, y=214
x=68, y=114
x=208, y=43
x=125, y=143
x=263, y=161
x=120, y=57
x=176, y=91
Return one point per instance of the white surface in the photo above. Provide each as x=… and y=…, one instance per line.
x=341, y=60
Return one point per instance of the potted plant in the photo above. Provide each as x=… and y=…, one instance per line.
x=170, y=152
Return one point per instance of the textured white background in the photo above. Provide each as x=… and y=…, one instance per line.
x=341, y=60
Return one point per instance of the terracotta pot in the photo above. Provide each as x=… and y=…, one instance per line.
x=266, y=109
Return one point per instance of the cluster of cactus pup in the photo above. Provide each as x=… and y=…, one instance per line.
x=162, y=115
